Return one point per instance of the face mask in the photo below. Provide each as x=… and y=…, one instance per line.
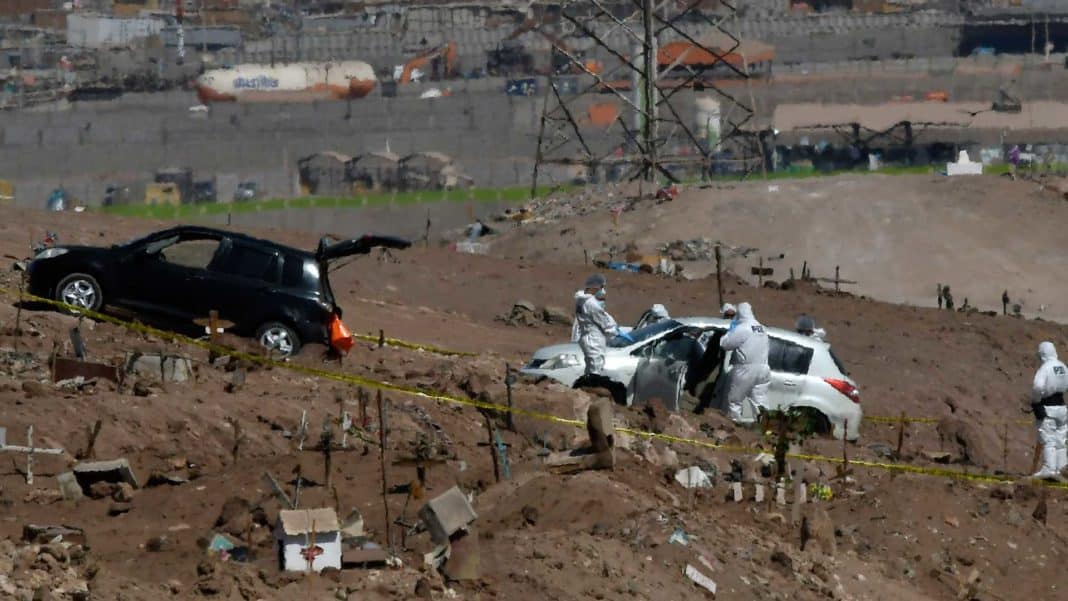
x=601, y=294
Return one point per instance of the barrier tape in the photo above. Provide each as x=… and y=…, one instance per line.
x=414, y=346
x=887, y=419
x=539, y=415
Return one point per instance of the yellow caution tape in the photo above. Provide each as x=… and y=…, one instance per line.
x=539, y=415
x=887, y=419
x=414, y=346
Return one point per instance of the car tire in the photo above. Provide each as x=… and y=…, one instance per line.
x=81, y=290
x=821, y=425
x=279, y=337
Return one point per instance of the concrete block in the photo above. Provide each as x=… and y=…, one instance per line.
x=117, y=470
x=69, y=487
x=167, y=368
x=447, y=514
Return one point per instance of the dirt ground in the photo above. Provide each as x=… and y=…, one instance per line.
x=898, y=237
x=542, y=534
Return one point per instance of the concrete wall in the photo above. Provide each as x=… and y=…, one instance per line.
x=492, y=136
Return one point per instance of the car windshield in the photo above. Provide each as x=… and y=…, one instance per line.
x=643, y=334
x=136, y=240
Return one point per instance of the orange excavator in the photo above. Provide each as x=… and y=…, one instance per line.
x=436, y=63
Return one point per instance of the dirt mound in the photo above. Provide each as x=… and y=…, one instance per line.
x=897, y=236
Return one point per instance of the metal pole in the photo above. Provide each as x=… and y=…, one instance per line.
x=649, y=106
x=383, y=424
x=719, y=275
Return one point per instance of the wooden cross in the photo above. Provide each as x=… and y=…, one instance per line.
x=213, y=326
x=29, y=449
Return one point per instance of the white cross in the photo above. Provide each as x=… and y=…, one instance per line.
x=29, y=449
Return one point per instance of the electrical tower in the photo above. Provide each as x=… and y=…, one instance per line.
x=643, y=92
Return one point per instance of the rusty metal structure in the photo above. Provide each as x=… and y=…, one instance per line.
x=644, y=57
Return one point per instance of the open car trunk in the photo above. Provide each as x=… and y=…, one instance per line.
x=330, y=249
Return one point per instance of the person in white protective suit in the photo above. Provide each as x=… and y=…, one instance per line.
x=750, y=375
x=728, y=311
x=595, y=326
x=580, y=298
x=1047, y=402
x=806, y=326
x=653, y=315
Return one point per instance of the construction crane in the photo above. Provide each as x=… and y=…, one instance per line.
x=441, y=61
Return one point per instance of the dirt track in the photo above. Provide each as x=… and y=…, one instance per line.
x=597, y=535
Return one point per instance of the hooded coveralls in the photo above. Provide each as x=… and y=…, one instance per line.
x=750, y=375
x=1047, y=400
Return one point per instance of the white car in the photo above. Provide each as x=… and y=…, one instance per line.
x=671, y=357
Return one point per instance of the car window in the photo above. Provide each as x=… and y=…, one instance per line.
x=838, y=363
x=299, y=272
x=785, y=356
x=251, y=263
x=682, y=348
x=195, y=254
x=643, y=334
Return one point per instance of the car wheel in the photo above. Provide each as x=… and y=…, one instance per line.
x=278, y=337
x=816, y=420
x=80, y=290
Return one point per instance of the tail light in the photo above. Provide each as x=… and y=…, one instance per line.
x=845, y=388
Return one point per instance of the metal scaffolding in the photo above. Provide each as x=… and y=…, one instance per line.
x=614, y=57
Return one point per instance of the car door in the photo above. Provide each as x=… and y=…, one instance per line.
x=165, y=275
x=661, y=372
x=789, y=363
x=243, y=284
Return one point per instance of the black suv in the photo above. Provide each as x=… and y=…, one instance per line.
x=278, y=294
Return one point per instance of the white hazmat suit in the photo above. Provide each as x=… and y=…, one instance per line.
x=750, y=375
x=1047, y=400
x=594, y=327
x=580, y=297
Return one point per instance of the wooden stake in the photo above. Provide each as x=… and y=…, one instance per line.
x=719, y=275
x=383, y=424
x=91, y=434
x=278, y=491
x=236, y=449
x=508, y=381
x=213, y=334
x=381, y=338
x=837, y=287
x=1005, y=447
x=296, y=489
x=18, y=309
x=845, y=442
x=29, y=455
x=760, y=275
x=492, y=447
x=900, y=434
x=365, y=420
x=302, y=430
x=326, y=444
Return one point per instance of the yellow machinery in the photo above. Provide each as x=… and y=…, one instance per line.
x=162, y=194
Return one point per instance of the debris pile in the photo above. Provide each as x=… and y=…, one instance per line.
x=526, y=313
x=49, y=563
x=703, y=249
